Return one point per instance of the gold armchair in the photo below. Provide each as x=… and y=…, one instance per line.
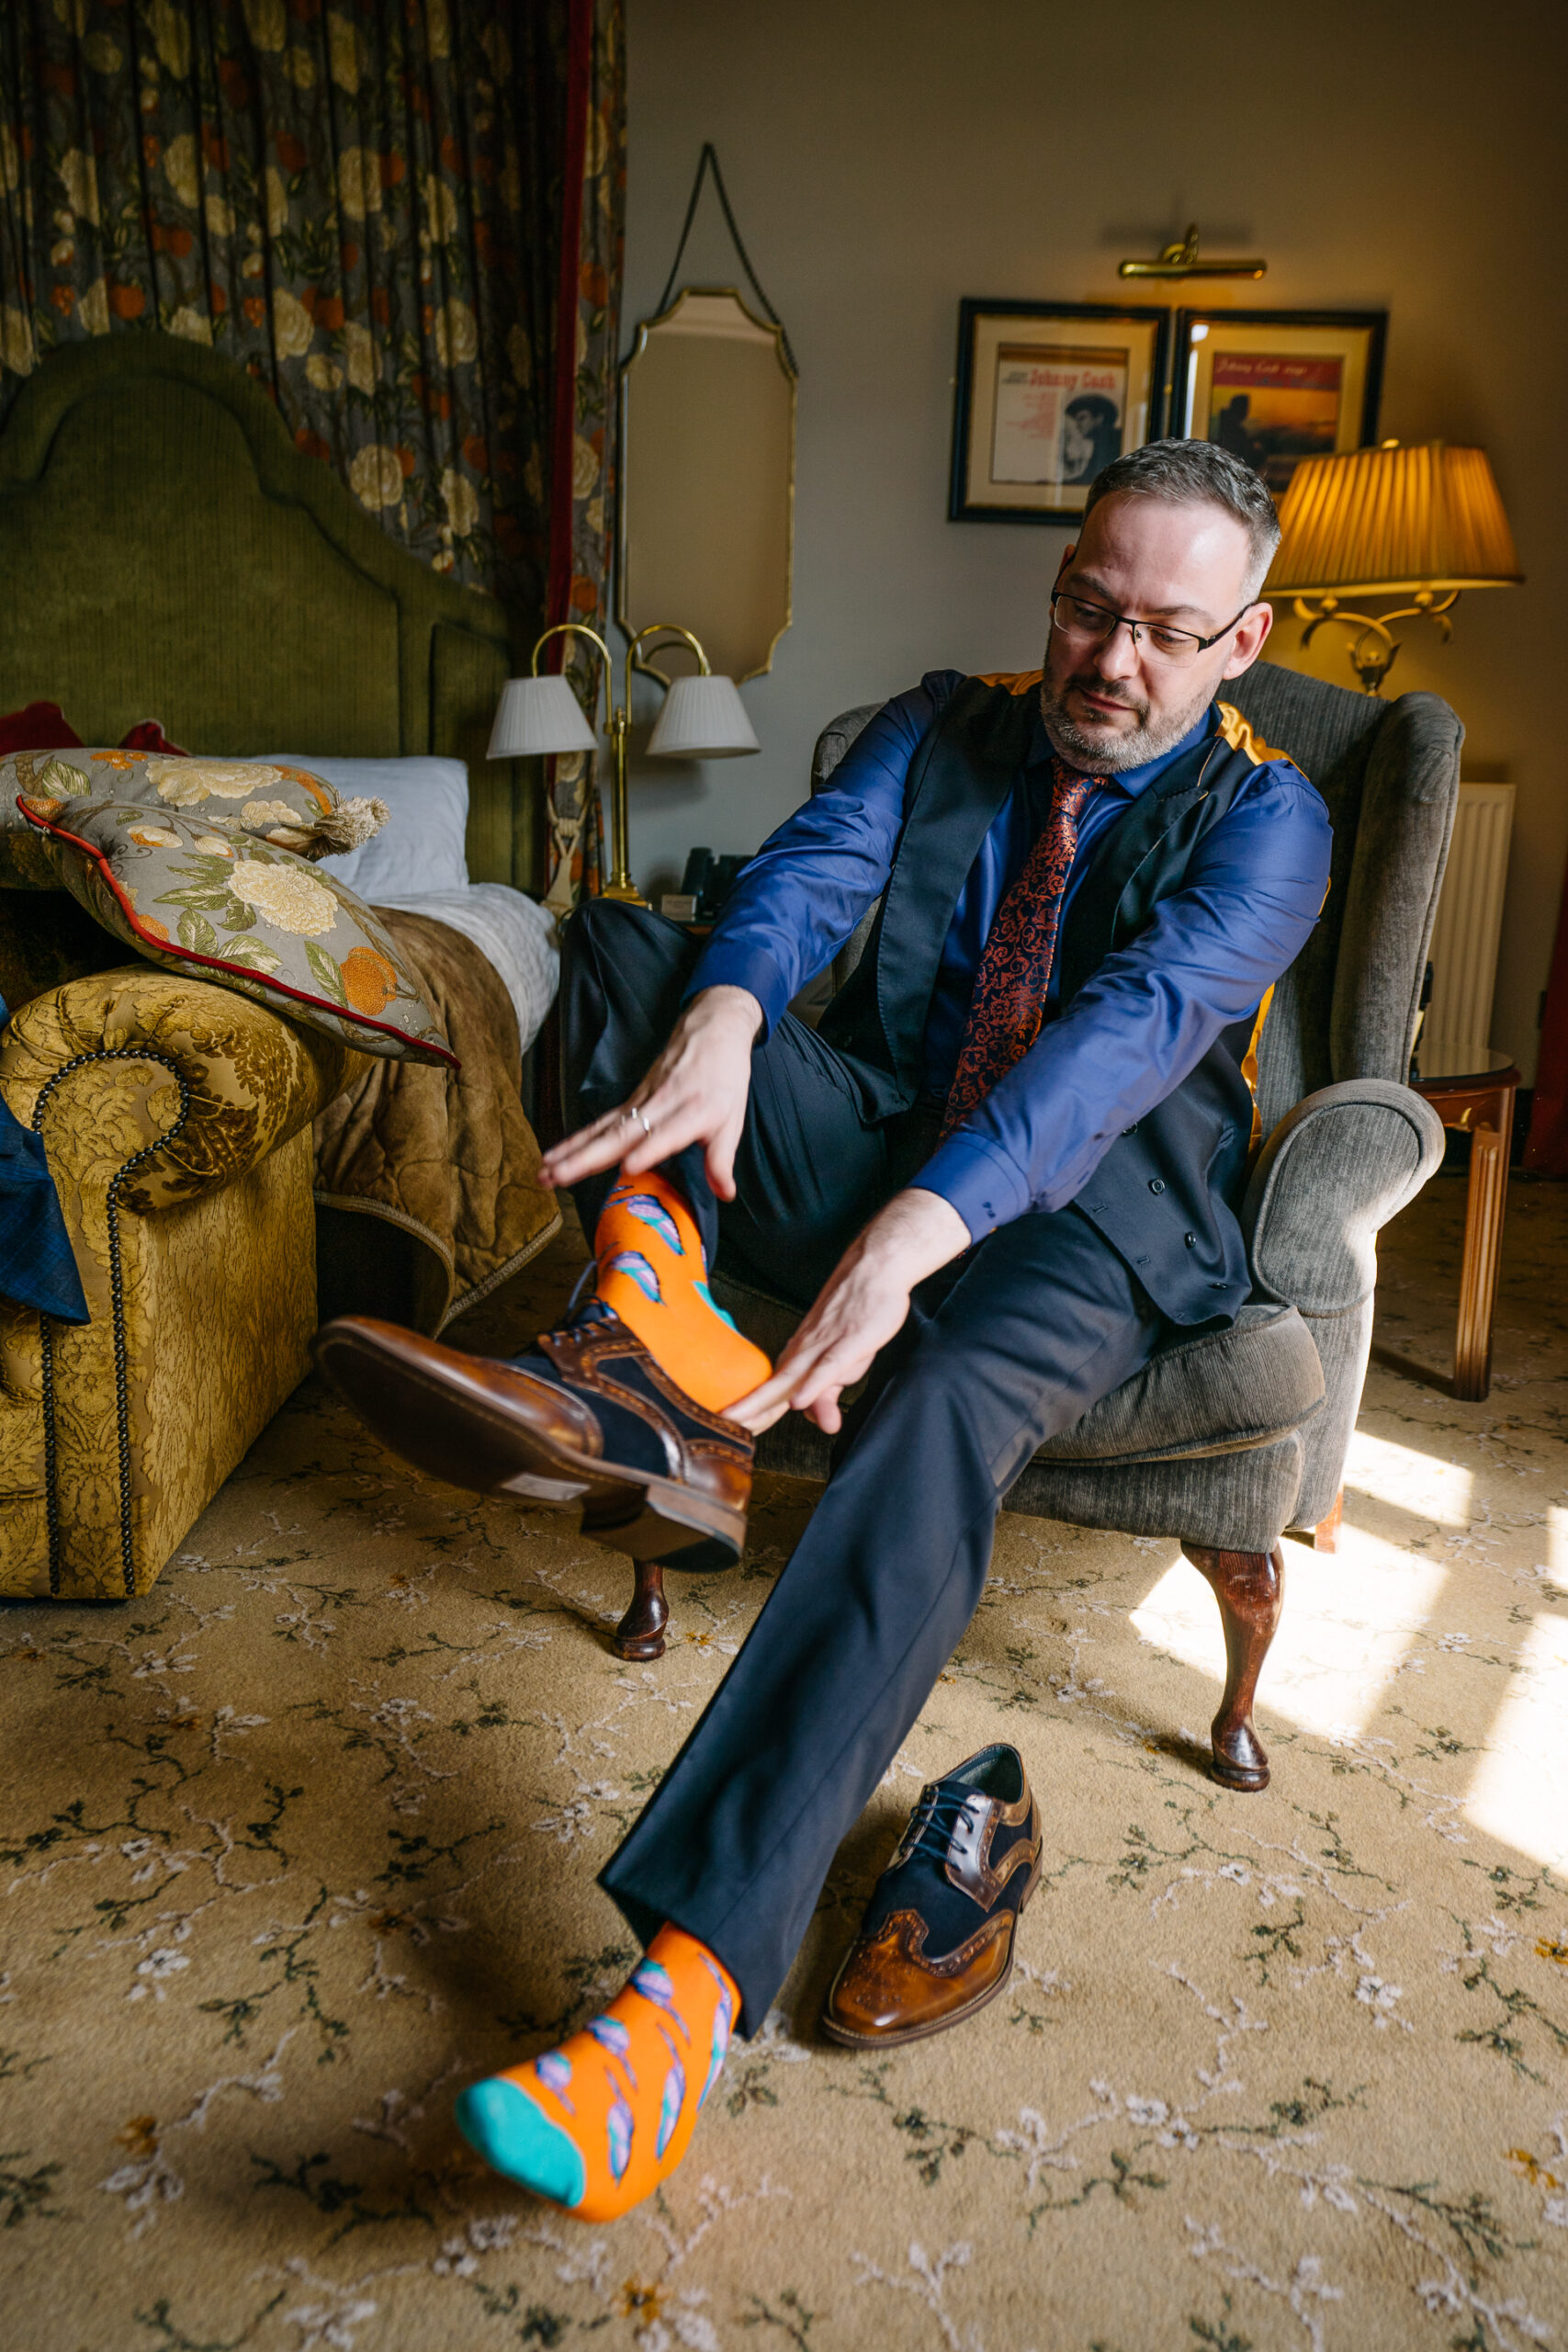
x=176, y=1117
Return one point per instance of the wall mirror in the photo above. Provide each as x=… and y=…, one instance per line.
x=707, y=479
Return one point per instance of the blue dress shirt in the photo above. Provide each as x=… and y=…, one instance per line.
x=1143, y=1021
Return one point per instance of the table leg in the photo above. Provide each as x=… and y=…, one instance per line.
x=1485, y=1204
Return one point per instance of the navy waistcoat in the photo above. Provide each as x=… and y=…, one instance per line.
x=1166, y=1193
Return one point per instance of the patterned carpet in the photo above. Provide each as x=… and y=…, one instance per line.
x=306, y=1840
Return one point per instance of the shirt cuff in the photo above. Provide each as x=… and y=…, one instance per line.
x=726, y=964
x=973, y=1177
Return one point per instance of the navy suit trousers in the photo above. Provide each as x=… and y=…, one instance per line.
x=1013, y=1342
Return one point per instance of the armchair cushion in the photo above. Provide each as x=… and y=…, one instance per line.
x=1246, y=1387
x=1219, y=1392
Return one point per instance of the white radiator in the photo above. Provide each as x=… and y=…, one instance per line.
x=1470, y=922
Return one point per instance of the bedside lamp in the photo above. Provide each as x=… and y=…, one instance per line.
x=1425, y=522
x=703, y=718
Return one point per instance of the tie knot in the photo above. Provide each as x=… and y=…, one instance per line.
x=1070, y=790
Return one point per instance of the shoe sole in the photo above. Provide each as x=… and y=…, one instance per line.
x=437, y=1428
x=849, y=2040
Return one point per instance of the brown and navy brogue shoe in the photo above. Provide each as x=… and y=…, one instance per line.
x=937, y=1939
x=585, y=1416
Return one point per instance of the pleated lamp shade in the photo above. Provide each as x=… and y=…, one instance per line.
x=703, y=718
x=538, y=714
x=1386, y=521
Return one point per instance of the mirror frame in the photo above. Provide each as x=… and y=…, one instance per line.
x=645, y=328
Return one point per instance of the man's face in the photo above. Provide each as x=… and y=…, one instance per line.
x=1112, y=706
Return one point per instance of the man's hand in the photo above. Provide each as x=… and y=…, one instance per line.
x=863, y=1304
x=695, y=1093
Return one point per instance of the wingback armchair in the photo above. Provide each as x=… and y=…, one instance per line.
x=1228, y=1439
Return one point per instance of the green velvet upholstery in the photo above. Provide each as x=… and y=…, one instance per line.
x=168, y=552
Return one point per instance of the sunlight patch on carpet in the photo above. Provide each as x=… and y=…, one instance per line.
x=1520, y=1788
x=1411, y=1479
x=1347, y=1624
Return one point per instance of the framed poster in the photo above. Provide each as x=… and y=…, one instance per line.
x=1047, y=393
x=1277, y=385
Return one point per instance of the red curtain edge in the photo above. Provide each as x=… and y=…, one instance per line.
x=1546, y=1149
x=580, y=60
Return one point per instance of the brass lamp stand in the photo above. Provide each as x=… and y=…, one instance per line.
x=703, y=718
x=1371, y=658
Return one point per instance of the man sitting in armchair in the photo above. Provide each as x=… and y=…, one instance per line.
x=999, y=1175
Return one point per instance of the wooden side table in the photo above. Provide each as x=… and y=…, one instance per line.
x=1480, y=1102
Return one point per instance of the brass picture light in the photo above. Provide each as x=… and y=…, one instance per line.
x=1180, y=260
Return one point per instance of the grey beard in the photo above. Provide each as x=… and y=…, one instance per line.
x=1115, y=755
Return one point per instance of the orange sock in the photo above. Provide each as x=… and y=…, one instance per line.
x=598, y=2123
x=653, y=1273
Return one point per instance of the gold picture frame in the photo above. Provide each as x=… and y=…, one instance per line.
x=1278, y=386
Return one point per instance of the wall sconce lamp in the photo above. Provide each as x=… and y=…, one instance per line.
x=1180, y=260
x=703, y=718
x=1425, y=522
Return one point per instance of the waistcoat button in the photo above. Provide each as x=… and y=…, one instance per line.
x=1191, y=1239
x=1157, y=1184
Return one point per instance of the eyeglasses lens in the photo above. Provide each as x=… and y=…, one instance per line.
x=1094, y=625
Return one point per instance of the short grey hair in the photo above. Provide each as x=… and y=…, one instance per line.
x=1192, y=473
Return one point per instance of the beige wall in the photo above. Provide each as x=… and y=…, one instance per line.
x=886, y=157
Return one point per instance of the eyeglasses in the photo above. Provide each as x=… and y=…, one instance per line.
x=1096, y=625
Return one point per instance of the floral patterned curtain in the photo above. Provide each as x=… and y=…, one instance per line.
x=364, y=202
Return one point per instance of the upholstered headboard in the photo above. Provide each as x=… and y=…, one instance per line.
x=167, y=551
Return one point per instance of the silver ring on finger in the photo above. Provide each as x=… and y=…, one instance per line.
x=641, y=1119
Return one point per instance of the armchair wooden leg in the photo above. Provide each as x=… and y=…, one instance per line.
x=1326, y=1535
x=1251, y=1590
x=640, y=1634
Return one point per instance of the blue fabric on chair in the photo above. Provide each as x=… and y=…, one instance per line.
x=38, y=1267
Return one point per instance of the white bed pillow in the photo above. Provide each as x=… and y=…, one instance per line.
x=421, y=846
x=512, y=931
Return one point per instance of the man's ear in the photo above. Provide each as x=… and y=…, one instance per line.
x=1067, y=554
x=1249, y=641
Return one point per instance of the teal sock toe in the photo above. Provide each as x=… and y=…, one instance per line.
x=518, y=2139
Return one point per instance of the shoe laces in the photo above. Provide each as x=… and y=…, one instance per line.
x=936, y=1817
x=593, y=1309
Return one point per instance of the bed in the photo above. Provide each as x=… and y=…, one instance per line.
x=165, y=550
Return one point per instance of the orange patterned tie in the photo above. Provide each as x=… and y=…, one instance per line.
x=1009, y=1004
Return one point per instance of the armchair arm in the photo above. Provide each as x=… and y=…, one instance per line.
x=1334, y=1172
x=254, y=1079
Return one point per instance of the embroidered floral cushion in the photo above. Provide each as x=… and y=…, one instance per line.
x=193, y=886
x=288, y=807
